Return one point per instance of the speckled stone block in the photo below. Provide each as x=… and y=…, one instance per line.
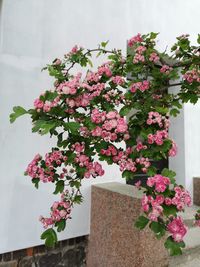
x=196, y=191
x=113, y=240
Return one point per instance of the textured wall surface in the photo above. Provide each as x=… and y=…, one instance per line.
x=113, y=240
x=68, y=253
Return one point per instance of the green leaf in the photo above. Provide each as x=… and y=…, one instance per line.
x=193, y=99
x=60, y=185
x=70, y=157
x=198, y=39
x=50, y=237
x=174, y=112
x=61, y=225
x=75, y=183
x=103, y=44
x=153, y=35
x=18, y=111
x=128, y=175
x=151, y=171
x=169, y=210
x=78, y=199
x=43, y=127
x=72, y=126
x=158, y=229
x=101, y=145
x=141, y=222
x=175, y=248
x=169, y=173
x=177, y=104
x=125, y=110
x=35, y=181
x=161, y=110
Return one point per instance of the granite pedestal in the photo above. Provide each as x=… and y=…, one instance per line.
x=114, y=241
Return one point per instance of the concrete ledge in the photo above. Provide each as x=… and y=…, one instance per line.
x=123, y=189
x=113, y=240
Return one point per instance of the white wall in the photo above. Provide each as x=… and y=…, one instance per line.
x=32, y=34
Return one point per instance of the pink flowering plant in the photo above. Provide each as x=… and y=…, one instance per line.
x=94, y=112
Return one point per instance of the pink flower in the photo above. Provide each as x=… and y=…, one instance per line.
x=135, y=39
x=166, y=69
x=111, y=115
x=118, y=80
x=145, y=208
x=138, y=58
x=150, y=139
x=168, y=201
x=122, y=126
x=142, y=86
x=160, y=187
x=160, y=199
x=74, y=49
x=140, y=146
x=173, y=151
x=177, y=228
x=154, y=57
x=140, y=49
x=38, y=104
x=138, y=184
x=192, y=76
x=150, y=181
x=96, y=131
x=105, y=70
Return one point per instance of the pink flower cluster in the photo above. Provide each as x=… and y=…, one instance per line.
x=140, y=49
x=70, y=87
x=142, y=86
x=153, y=206
x=47, y=105
x=144, y=162
x=138, y=58
x=110, y=151
x=45, y=174
x=177, y=228
x=120, y=157
x=135, y=39
x=156, y=118
x=112, y=124
x=114, y=96
x=160, y=182
x=118, y=80
x=181, y=199
x=93, y=169
x=140, y=146
x=192, y=76
x=154, y=57
x=105, y=70
x=158, y=137
x=94, y=77
x=166, y=69
x=75, y=49
x=60, y=210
